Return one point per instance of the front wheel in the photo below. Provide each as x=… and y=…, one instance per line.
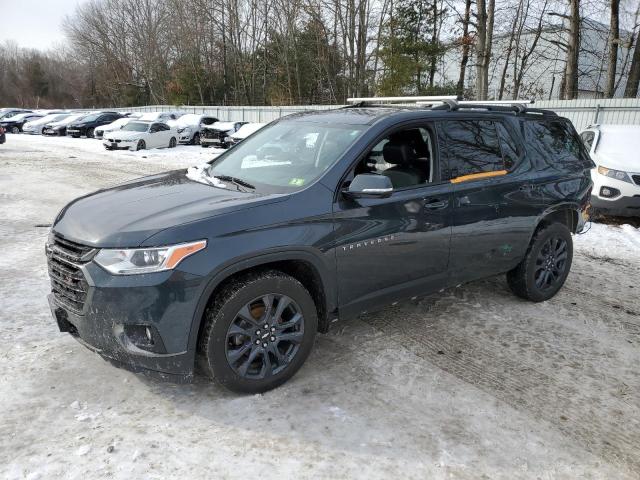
x=546, y=265
x=172, y=142
x=141, y=145
x=258, y=332
x=196, y=139
x=90, y=133
x=15, y=130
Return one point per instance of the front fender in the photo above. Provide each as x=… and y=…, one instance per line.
x=306, y=254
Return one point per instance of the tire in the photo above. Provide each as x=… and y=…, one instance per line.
x=141, y=145
x=75, y=136
x=172, y=142
x=196, y=139
x=204, y=146
x=15, y=130
x=227, y=345
x=546, y=265
x=90, y=133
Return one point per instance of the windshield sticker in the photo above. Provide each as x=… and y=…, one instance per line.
x=298, y=182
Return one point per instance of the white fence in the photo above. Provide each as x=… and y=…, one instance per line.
x=582, y=112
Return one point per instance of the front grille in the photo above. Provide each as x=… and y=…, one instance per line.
x=68, y=283
x=214, y=134
x=636, y=178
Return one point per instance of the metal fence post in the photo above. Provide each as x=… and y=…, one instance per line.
x=597, y=114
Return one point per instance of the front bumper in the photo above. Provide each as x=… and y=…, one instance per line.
x=620, y=206
x=627, y=201
x=75, y=132
x=53, y=132
x=184, y=138
x=119, y=145
x=119, y=310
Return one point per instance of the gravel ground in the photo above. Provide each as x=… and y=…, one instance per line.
x=471, y=383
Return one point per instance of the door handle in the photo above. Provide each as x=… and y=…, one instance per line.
x=436, y=204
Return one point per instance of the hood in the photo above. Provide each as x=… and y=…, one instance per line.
x=128, y=214
x=623, y=161
x=123, y=135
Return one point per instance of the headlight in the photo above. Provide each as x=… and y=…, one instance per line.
x=146, y=260
x=617, y=174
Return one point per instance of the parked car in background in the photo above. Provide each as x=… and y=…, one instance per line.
x=3, y=137
x=615, y=149
x=59, y=128
x=38, y=126
x=163, y=117
x=140, y=135
x=243, y=132
x=217, y=135
x=190, y=125
x=113, y=126
x=14, y=124
x=86, y=126
x=10, y=112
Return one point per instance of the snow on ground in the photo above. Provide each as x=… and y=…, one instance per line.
x=470, y=383
x=611, y=241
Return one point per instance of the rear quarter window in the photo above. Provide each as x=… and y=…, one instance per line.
x=555, y=144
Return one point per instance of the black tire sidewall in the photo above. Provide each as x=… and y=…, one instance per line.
x=218, y=364
x=554, y=230
x=90, y=133
x=141, y=145
x=196, y=136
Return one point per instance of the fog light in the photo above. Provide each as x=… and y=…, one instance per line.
x=145, y=337
x=609, y=192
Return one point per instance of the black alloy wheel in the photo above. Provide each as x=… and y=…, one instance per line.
x=257, y=331
x=265, y=336
x=141, y=145
x=550, y=263
x=546, y=265
x=172, y=142
x=90, y=133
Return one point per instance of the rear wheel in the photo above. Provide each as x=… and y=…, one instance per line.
x=172, y=142
x=258, y=332
x=546, y=265
x=141, y=145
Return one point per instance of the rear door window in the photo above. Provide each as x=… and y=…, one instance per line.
x=469, y=147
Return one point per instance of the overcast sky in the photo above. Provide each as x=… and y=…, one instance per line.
x=34, y=23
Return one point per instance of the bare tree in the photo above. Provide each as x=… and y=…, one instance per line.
x=614, y=40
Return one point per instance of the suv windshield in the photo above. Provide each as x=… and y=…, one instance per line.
x=135, y=127
x=287, y=155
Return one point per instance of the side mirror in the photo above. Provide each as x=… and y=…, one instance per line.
x=369, y=185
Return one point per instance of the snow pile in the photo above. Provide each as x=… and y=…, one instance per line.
x=610, y=241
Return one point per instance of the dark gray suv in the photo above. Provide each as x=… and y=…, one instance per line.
x=314, y=218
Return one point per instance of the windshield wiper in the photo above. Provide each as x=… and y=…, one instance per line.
x=234, y=180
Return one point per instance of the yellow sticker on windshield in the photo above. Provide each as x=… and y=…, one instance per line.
x=298, y=182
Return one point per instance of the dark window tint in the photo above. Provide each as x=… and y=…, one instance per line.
x=163, y=126
x=470, y=146
x=508, y=145
x=587, y=139
x=555, y=144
